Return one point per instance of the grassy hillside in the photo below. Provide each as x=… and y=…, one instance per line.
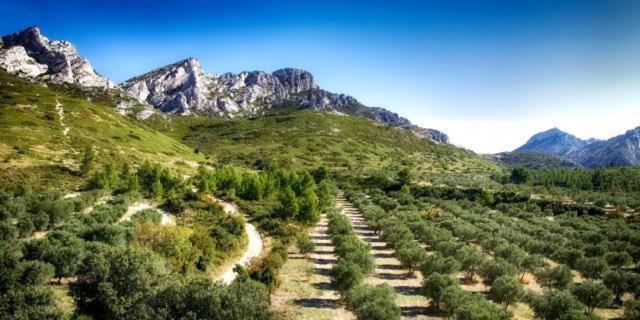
x=533, y=160
x=34, y=146
x=299, y=139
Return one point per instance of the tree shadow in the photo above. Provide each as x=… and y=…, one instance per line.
x=316, y=303
x=412, y=312
x=392, y=276
x=323, y=271
x=323, y=285
x=408, y=290
x=323, y=261
x=390, y=266
x=383, y=255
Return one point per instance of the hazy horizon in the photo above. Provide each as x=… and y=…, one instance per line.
x=488, y=73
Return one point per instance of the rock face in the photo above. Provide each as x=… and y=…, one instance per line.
x=28, y=51
x=622, y=150
x=184, y=88
x=17, y=61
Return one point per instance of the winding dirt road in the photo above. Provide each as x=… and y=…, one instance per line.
x=254, y=247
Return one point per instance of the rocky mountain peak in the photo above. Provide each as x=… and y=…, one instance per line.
x=295, y=79
x=63, y=64
x=554, y=141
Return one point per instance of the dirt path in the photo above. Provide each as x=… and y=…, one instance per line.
x=254, y=247
x=60, y=109
x=167, y=219
x=389, y=270
x=306, y=291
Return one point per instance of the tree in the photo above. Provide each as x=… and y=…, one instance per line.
x=632, y=309
x=373, y=303
x=309, y=212
x=8, y=231
x=616, y=281
x=559, y=277
x=114, y=281
x=530, y=263
x=592, y=294
x=520, y=175
x=553, y=304
x=618, y=259
x=434, y=287
x=157, y=189
x=411, y=255
x=470, y=261
x=592, y=268
x=345, y=275
x=494, y=269
x=440, y=264
x=506, y=290
x=404, y=176
x=87, y=161
x=305, y=246
x=288, y=208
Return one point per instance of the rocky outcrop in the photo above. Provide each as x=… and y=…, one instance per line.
x=16, y=60
x=184, y=88
x=622, y=150
x=63, y=64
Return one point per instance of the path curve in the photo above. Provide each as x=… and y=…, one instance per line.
x=167, y=219
x=254, y=247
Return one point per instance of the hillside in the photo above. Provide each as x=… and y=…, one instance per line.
x=46, y=128
x=304, y=138
x=529, y=159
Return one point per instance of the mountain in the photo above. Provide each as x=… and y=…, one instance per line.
x=30, y=53
x=622, y=150
x=184, y=88
x=555, y=142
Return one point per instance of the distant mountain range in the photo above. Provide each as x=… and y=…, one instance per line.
x=184, y=88
x=622, y=150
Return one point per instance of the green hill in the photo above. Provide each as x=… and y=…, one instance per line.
x=34, y=146
x=305, y=139
x=533, y=160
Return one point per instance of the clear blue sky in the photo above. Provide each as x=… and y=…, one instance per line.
x=489, y=73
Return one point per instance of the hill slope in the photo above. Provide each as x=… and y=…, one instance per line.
x=530, y=159
x=305, y=138
x=44, y=130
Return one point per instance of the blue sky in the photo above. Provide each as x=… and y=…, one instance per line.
x=488, y=73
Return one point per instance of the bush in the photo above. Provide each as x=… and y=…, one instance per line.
x=305, y=245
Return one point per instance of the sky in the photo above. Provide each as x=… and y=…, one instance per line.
x=488, y=73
